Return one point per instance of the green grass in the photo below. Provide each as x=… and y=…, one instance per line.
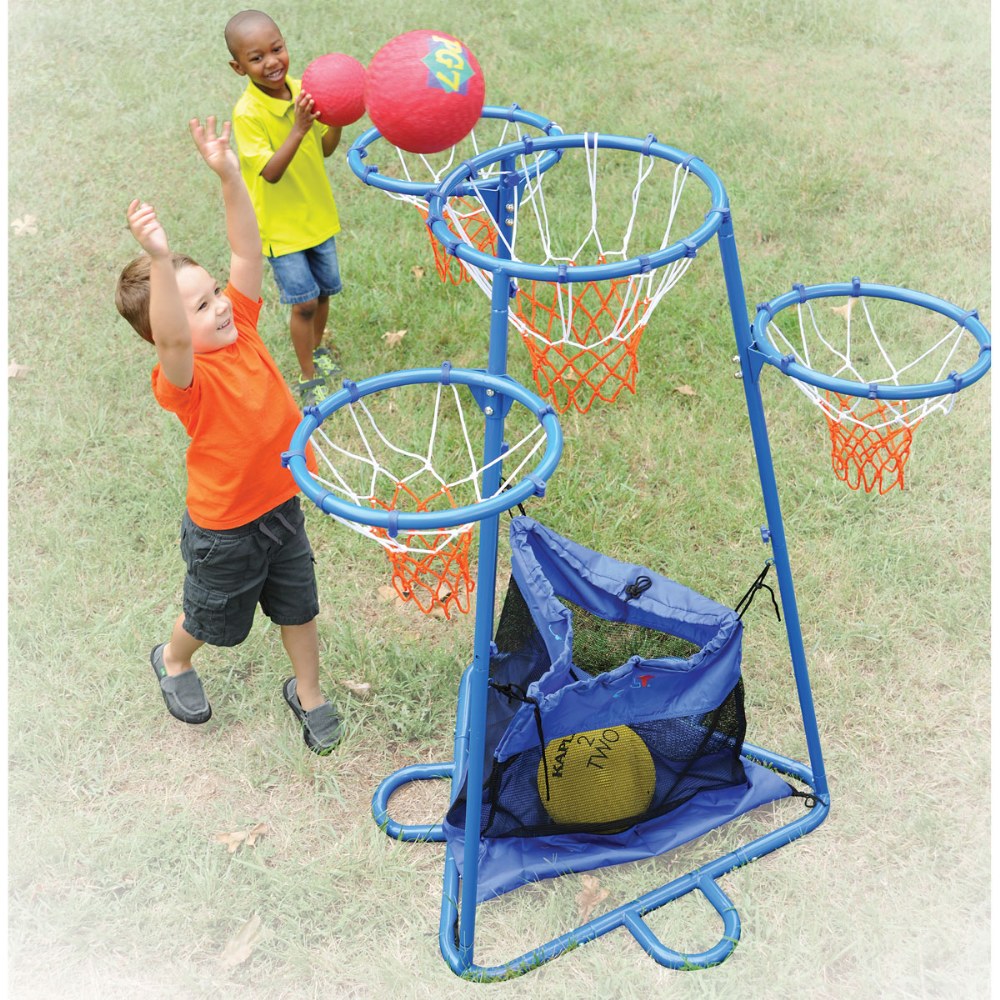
x=852, y=139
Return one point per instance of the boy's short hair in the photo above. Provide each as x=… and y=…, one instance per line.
x=132, y=291
x=238, y=23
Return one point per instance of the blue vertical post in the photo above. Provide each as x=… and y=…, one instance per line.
x=489, y=532
x=772, y=507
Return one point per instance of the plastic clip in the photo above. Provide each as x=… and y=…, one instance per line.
x=528, y=143
x=644, y=266
x=786, y=360
x=352, y=390
x=685, y=164
x=801, y=289
x=446, y=373
x=855, y=288
x=956, y=380
x=690, y=249
x=287, y=456
x=650, y=139
x=561, y=276
x=539, y=485
x=393, y=527
x=873, y=390
x=765, y=307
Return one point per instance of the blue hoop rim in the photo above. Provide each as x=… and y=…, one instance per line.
x=533, y=484
x=785, y=363
x=687, y=247
x=370, y=175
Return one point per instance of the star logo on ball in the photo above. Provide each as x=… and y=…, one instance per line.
x=448, y=66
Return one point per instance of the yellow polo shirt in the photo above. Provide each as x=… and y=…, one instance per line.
x=298, y=212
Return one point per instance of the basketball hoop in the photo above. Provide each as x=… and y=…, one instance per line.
x=417, y=175
x=583, y=309
x=870, y=411
x=418, y=493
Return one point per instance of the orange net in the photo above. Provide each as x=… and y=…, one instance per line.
x=477, y=224
x=574, y=360
x=429, y=568
x=867, y=455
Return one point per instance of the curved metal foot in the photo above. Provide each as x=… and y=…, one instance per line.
x=385, y=790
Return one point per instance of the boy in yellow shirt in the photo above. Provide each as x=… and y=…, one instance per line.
x=281, y=149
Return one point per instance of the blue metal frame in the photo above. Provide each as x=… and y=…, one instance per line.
x=458, y=901
x=369, y=172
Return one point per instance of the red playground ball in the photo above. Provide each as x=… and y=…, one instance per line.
x=337, y=84
x=424, y=91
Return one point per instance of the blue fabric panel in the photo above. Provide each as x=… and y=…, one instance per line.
x=510, y=862
x=547, y=566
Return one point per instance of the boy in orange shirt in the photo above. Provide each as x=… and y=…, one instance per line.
x=243, y=534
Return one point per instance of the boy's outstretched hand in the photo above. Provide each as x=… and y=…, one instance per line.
x=147, y=229
x=215, y=149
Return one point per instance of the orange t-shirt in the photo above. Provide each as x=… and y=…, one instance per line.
x=240, y=416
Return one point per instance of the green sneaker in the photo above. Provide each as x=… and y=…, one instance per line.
x=311, y=391
x=325, y=363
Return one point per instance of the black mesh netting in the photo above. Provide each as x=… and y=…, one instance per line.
x=608, y=778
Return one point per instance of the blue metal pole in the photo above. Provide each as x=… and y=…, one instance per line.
x=489, y=531
x=772, y=506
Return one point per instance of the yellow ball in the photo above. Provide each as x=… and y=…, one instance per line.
x=600, y=776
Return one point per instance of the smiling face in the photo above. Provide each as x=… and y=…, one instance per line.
x=259, y=52
x=209, y=313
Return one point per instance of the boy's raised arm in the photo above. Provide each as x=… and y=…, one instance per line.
x=167, y=319
x=246, y=269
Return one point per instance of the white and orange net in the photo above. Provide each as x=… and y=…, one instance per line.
x=871, y=438
x=583, y=337
x=429, y=464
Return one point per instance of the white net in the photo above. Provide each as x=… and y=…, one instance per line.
x=612, y=214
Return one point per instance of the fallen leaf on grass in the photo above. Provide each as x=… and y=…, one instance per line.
x=589, y=897
x=360, y=688
x=239, y=948
x=238, y=837
x=25, y=226
x=14, y=370
x=844, y=310
x=417, y=271
x=387, y=593
x=393, y=337
x=685, y=390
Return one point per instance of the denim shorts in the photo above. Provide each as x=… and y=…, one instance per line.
x=307, y=274
x=267, y=562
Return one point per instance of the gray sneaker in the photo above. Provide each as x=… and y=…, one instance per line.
x=321, y=726
x=184, y=695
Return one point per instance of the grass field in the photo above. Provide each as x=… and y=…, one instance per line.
x=853, y=139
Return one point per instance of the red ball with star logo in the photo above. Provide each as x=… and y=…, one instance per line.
x=424, y=91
